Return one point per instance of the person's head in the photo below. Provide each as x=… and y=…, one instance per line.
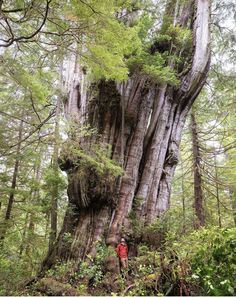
x=122, y=241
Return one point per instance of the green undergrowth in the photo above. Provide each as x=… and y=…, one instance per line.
x=17, y=269
x=211, y=255
x=201, y=263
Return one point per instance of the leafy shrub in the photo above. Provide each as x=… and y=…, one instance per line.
x=202, y=262
x=215, y=261
x=211, y=255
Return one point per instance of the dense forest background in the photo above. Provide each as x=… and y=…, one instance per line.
x=187, y=245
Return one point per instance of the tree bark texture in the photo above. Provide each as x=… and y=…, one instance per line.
x=142, y=121
x=198, y=192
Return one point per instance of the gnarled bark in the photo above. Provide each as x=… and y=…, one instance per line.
x=142, y=121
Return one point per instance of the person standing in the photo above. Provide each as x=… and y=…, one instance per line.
x=122, y=253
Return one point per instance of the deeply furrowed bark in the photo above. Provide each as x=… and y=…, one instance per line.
x=142, y=122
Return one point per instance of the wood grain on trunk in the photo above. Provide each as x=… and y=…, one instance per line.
x=142, y=121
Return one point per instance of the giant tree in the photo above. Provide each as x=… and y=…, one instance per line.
x=135, y=123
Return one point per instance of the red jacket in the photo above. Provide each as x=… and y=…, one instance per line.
x=122, y=250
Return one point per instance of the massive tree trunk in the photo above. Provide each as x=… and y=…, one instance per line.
x=142, y=122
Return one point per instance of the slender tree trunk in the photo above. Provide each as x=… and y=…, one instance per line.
x=198, y=192
x=233, y=202
x=54, y=191
x=217, y=192
x=139, y=119
x=183, y=199
x=30, y=235
x=34, y=195
x=47, y=225
x=23, y=242
x=8, y=213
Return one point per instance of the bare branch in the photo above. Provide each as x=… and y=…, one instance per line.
x=22, y=38
x=15, y=117
x=32, y=103
x=32, y=132
x=13, y=10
